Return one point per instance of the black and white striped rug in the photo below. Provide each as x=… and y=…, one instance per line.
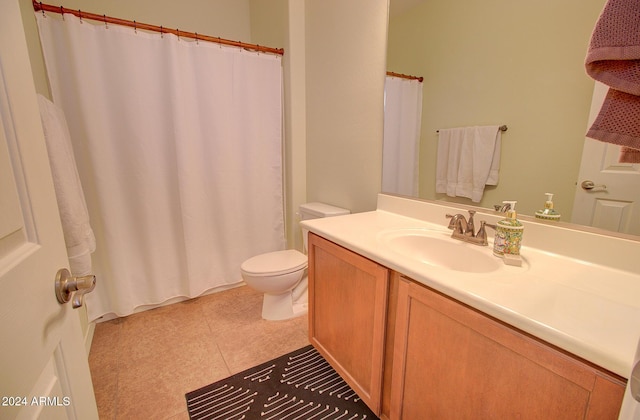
x=297, y=386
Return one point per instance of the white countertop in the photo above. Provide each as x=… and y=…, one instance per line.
x=589, y=309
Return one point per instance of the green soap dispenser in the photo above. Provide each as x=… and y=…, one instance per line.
x=508, y=236
x=548, y=213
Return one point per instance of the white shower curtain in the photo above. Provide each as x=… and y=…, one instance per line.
x=402, y=122
x=179, y=149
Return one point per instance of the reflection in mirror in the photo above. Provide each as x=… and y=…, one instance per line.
x=519, y=64
x=401, y=143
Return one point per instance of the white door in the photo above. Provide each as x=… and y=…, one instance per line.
x=614, y=201
x=44, y=371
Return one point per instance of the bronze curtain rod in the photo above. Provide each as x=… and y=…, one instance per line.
x=405, y=76
x=37, y=6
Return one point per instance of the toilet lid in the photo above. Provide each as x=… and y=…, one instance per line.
x=275, y=263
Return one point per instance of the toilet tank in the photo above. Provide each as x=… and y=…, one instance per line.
x=316, y=211
x=319, y=210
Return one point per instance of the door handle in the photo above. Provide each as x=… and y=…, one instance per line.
x=66, y=285
x=589, y=185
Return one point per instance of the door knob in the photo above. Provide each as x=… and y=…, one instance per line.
x=66, y=285
x=589, y=185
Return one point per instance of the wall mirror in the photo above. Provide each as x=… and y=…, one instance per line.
x=521, y=65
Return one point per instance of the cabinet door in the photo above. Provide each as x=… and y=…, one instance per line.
x=451, y=361
x=347, y=309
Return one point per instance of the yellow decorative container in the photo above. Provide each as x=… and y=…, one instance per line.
x=508, y=238
x=548, y=213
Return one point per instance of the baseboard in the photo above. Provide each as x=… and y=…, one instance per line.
x=88, y=336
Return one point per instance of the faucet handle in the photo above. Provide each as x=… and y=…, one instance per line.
x=452, y=222
x=470, y=226
x=482, y=233
x=481, y=236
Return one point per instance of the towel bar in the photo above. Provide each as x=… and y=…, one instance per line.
x=501, y=128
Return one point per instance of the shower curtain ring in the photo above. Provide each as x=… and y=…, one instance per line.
x=135, y=27
x=104, y=17
x=80, y=15
x=161, y=33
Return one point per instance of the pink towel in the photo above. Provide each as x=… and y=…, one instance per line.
x=614, y=59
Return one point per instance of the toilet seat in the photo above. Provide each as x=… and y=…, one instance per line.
x=275, y=263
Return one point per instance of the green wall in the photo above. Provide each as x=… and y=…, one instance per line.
x=503, y=62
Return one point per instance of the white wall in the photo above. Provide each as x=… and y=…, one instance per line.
x=345, y=70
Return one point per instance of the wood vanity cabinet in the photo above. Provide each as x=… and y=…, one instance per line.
x=411, y=352
x=347, y=315
x=452, y=361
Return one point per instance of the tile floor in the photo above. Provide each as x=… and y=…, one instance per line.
x=143, y=364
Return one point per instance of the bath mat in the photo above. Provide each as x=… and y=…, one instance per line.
x=300, y=385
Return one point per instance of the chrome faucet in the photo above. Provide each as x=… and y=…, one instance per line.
x=463, y=229
x=460, y=225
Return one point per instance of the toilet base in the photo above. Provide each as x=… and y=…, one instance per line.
x=301, y=305
x=281, y=307
x=291, y=304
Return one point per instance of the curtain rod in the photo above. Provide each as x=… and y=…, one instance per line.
x=405, y=76
x=37, y=6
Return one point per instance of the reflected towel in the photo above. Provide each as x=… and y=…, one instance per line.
x=78, y=234
x=629, y=155
x=613, y=58
x=468, y=159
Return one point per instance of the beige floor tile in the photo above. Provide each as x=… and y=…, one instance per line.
x=106, y=391
x=142, y=365
x=103, y=361
x=180, y=416
x=247, y=346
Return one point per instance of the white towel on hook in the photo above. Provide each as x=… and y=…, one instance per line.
x=468, y=159
x=78, y=235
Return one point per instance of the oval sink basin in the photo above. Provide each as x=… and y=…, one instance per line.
x=438, y=249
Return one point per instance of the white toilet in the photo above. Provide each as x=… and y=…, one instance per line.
x=282, y=275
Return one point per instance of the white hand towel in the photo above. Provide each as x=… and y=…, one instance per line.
x=78, y=234
x=467, y=160
x=448, y=160
x=494, y=171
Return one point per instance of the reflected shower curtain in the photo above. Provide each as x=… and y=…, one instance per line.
x=401, y=145
x=179, y=148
